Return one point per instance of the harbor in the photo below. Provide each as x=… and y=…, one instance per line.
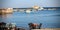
x=29, y=15
x=48, y=18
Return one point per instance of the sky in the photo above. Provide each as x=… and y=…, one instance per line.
x=28, y=3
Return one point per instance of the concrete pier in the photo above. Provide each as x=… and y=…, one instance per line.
x=47, y=29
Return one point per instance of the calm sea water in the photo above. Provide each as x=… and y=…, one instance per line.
x=48, y=18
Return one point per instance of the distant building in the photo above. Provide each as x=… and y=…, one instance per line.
x=36, y=7
x=6, y=10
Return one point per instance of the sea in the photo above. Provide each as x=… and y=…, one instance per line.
x=48, y=18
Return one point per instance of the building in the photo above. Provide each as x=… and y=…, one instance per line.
x=6, y=10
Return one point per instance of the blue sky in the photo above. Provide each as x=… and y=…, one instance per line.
x=28, y=3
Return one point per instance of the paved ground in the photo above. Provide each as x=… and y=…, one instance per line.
x=48, y=29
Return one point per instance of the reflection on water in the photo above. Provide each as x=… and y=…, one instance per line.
x=4, y=17
x=49, y=19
